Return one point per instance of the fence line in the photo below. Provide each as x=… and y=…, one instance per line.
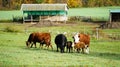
x=95, y=33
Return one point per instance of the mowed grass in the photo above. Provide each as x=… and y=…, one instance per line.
x=8, y=15
x=96, y=13
x=13, y=51
x=101, y=13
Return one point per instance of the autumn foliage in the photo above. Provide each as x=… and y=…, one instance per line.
x=16, y=4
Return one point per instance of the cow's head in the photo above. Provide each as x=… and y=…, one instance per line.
x=76, y=38
x=27, y=43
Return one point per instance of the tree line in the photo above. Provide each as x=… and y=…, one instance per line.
x=16, y=4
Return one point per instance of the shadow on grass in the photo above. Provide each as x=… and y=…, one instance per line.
x=39, y=49
x=106, y=55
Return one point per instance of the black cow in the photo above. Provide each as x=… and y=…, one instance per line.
x=60, y=41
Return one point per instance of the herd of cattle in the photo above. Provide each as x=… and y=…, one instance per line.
x=81, y=42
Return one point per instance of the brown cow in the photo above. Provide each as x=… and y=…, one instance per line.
x=42, y=38
x=80, y=45
x=79, y=37
x=69, y=46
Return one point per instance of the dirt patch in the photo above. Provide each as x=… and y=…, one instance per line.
x=48, y=24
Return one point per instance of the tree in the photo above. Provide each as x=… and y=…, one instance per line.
x=117, y=2
x=109, y=3
x=84, y=3
x=5, y=3
x=29, y=1
x=39, y=1
x=91, y=3
x=49, y=1
x=74, y=3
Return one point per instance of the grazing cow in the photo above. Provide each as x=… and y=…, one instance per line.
x=69, y=46
x=79, y=37
x=60, y=41
x=42, y=38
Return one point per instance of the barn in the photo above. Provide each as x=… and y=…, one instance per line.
x=115, y=15
x=114, y=18
x=43, y=12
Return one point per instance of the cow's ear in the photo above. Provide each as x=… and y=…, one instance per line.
x=73, y=37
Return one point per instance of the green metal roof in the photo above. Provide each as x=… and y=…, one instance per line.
x=115, y=11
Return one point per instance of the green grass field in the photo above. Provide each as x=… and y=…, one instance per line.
x=13, y=51
x=8, y=15
x=97, y=12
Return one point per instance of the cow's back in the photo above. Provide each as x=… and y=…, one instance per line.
x=85, y=38
x=46, y=37
x=60, y=39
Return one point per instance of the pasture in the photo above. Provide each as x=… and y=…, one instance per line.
x=13, y=51
x=101, y=13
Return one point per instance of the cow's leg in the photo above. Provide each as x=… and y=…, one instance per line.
x=47, y=46
x=74, y=49
x=57, y=48
x=69, y=49
x=78, y=50
x=41, y=45
x=66, y=49
x=35, y=44
x=51, y=46
x=87, y=50
x=31, y=45
x=62, y=50
x=82, y=50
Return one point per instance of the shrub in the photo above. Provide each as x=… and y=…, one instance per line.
x=17, y=19
x=80, y=18
x=12, y=29
x=5, y=21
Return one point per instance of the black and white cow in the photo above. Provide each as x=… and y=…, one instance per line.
x=60, y=41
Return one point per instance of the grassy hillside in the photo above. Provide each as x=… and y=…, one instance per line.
x=8, y=15
x=13, y=51
x=98, y=12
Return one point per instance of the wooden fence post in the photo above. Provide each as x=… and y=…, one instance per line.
x=31, y=18
x=84, y=29
x=97, y=33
